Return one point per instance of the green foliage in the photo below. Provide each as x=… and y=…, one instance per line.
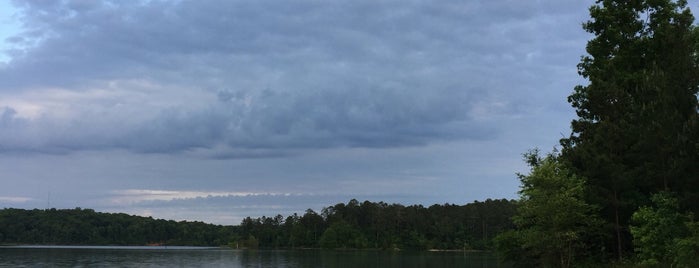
x=352, y=225
x=87, y=227
x=686, y=249
x=341, y=235
x=383, y=226
x=510, y=247
x=251, y=242
x=656, y=228
x=637, y=122
x=553, y=219
x=663, y=236
x=636, y=134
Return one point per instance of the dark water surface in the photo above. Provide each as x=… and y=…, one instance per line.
x=89, y=256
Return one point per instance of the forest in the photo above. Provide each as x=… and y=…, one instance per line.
x=86, y=227
x=353, y=225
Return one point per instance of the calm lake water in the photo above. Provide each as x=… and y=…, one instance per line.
x=57, y=256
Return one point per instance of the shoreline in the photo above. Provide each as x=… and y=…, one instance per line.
x=175, y=247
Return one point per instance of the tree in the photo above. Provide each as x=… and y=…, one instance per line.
x=342, y=235
x=314, y=225
x=636, y=129
x=656, y=228
x=251, y=242
x=553, y=221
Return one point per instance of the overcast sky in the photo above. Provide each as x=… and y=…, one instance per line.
x=217, y=110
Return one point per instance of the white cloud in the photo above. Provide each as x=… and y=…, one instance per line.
x=15, y=199
x=131, y=196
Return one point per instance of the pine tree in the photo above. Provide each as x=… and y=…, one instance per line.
x=636, y=131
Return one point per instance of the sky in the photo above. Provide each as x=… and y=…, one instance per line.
x=218, y=110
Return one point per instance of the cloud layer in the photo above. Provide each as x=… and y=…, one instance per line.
x=216, y=110
x=240, y=79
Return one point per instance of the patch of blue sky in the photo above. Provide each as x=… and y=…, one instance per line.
x=9, y=26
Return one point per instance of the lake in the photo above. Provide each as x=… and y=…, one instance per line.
x=91, y=256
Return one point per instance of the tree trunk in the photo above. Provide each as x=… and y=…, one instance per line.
x=617, y=226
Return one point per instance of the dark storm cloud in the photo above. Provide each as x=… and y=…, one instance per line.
x=315, y=119
x=266, y=78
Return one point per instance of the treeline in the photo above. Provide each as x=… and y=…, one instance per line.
x=87, y=227
x=352, y=225
x=383, y=226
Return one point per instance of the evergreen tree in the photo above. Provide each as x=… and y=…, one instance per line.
x=636, y=130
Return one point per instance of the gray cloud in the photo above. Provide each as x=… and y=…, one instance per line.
x=416, y=102
x=318, y=119
x=253, y=77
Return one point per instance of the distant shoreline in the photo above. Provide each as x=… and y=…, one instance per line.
x=352, y=226
x=162, y=247
x=105, y=247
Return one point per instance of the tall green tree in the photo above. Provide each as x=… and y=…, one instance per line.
x=636, y=130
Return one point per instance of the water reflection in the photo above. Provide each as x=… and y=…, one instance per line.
x=210, y=257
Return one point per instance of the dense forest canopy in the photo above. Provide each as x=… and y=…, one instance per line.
x=87, y=227
x=352, y=225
